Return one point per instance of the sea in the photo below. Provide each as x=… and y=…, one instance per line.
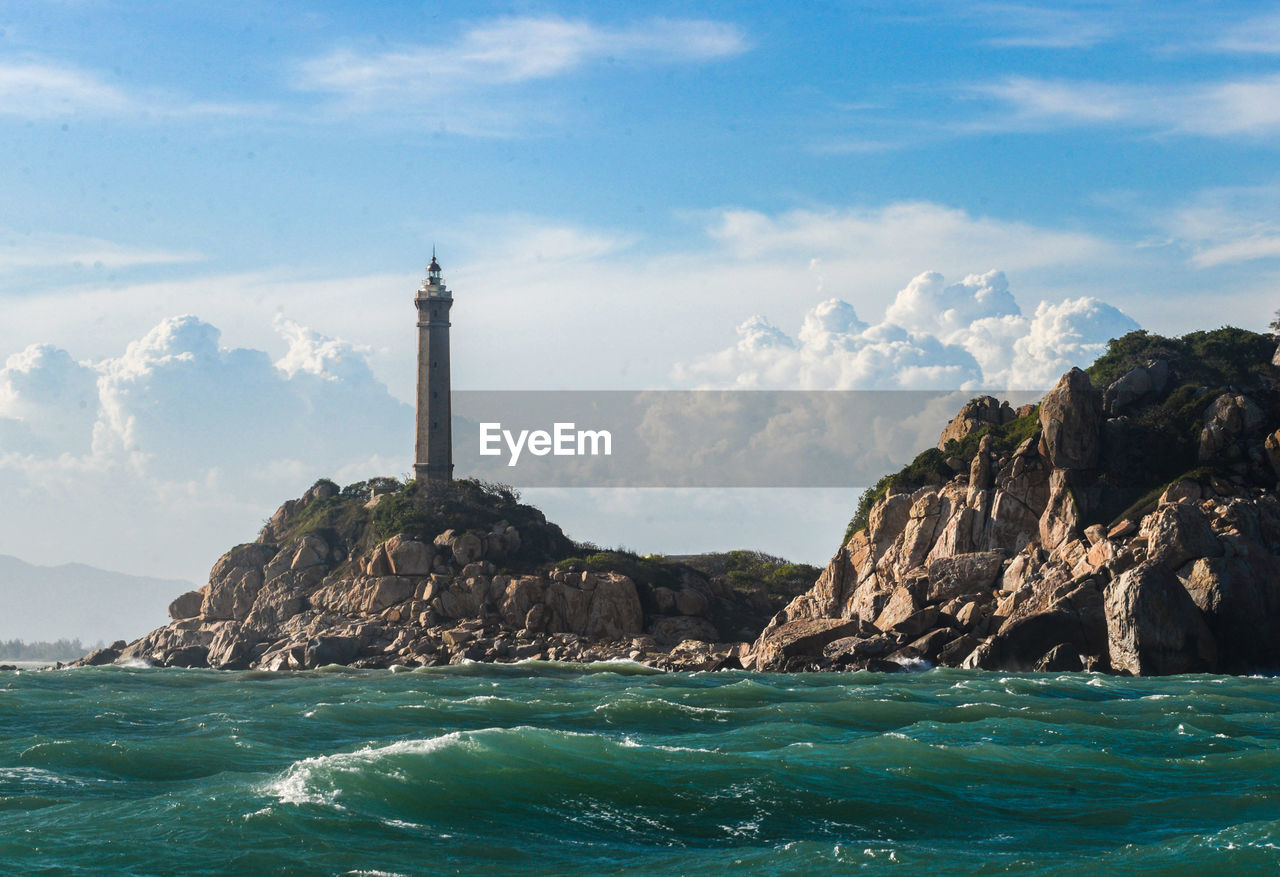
x=613, y=768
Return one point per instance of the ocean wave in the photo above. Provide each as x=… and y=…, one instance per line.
x=547, y=769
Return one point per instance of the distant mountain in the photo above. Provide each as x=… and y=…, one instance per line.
x=73, y=600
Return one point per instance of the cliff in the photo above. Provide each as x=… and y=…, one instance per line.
x=382, y=573
x=1128, y=523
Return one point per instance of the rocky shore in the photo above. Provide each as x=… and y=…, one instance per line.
x=1127, y=524
x=320, y=587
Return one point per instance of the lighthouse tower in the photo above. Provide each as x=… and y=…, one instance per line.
x=433, y=457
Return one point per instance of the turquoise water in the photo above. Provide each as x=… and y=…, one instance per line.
x=538, y=768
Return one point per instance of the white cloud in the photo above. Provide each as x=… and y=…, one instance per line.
x=1026, y=26
x=968, y=335
x=25, y=251
x=35, y=89
x=514, y=50
x=1228, y=226
x=1259, y=34
x=477, y=83
x=48, y=402
x=927, y=306
x=49, y=89
x=538, y=303
x=1226, y=108
x=912, y=231
x=181, y=436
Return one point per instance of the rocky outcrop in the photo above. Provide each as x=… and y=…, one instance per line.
x=1071, y=423
x=297, y=600
x=1024, y=559
x=1153, y=626
x=977, y=413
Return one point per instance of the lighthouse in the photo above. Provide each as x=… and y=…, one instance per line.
x=433, y=456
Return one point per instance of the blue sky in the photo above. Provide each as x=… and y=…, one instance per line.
x=667, y=195
x=338, y=139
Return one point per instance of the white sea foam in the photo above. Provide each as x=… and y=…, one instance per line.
x=302, y=782
x=912, y=663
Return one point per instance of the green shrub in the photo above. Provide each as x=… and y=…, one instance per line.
x=1220, y=357
x=653, y=571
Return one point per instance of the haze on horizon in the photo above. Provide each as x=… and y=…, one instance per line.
x=215, y=220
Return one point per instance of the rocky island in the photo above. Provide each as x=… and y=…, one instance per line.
x=383, y=573
x=1128, y=523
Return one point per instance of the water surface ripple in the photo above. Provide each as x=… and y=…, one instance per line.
x=540, y=768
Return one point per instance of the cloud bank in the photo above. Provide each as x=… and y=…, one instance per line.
x=179, y=444
x=934, y=335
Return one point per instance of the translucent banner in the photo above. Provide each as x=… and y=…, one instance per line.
x=699, y=438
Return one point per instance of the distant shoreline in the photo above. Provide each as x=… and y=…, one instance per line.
x=27, y=665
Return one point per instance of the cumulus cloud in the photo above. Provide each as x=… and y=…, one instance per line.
x=178, y=428
x=934, y=335
x=48, y=402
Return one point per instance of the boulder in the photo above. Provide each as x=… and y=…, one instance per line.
x=384, y=592
x=567, y=607
x=186, y=606
x=1134, y=385
x=1230, y=418
x=1182, y=490
x=379, y=564
x=277, y=601
x=1071, y=423
x=311, y=551
x=854, y=647
x=519, y=598
x=232, y=649
x=186, y=656
x=1060, y=521
x=100, y=657
x=930, y=645
x=615, y=610
x=901, y=606
x=235, y=581
x=963, y=574
x=1237, y=595
x=324, y=650
x=409, y=557
x=464, y=547
x=1179, y=532
x=954, y=653
x=917, y=623
x=1072, y=614
x=977, y=413
x=800, y=638
x=1153, y=626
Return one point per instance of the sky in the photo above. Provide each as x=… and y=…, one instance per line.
x=213, y=218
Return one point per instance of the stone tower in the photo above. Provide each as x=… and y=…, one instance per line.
x=433, y=457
